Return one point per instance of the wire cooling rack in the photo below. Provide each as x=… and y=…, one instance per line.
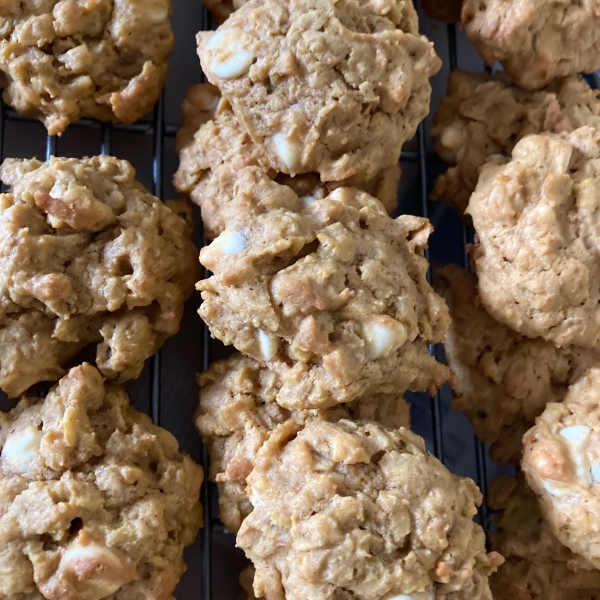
x=166, y=389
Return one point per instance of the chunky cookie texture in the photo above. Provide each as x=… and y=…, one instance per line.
x=562, y=464
x=213, y=148
x=95, y=501
x=238, y=411
x=353, y=509
x=536, y=219
x=502, y=380
x=66, y=59
x=536, y=41
x=331, y=294
x=484, y=115
x=89, y=258
x=537, y=565
x=334, y=87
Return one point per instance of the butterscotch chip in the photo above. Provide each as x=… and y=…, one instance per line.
x=357, y=509
x=213, y=148
x=484, y=115
x=502, y=380
x=238, y=412
x=334, y=87
x=66, y=59
x=95, y=501
x=537, y=564
x=331, y=294
x=562, y=464
x=89, y=259
x=536, y=41
x=537, y=225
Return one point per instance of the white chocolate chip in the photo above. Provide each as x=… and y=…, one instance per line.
x=452, y=138
x=577, y=437
x=287, y=150
x=308, y=199
x=596, y=473
x=157, y=11
x=232, y=242
x=268, y=345
x=232, y=58
x=383, y=335
x=414, y=596
x=337, y=194
x=256, y=499
x=21, y=448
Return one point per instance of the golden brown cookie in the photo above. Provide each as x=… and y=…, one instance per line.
x=328, y=86
x=538, y=566
x=213, y=148
x=536, y=218
x=562, y=464
x=354, y=509
x=95, y=501
x=501, y=380
x=536, y=41
x=90, y=259
x=238, y=412
x=332, y=294
x=67, y=59
x=483, y=115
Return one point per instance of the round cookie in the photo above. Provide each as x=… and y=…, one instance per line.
x=538, y=566
x=501, y=380
x=353, y=509
x=213, y=148
x=238, y=412
x=536, y=219
x=90, y=259
x=95, y=501
x=536, y=41
x=561, y=461
x=63, y=60
x=328, y=86
x=332, y=294
x=484, y=114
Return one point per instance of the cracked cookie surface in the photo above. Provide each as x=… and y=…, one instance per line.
x=63, y=60
x=334, y=87
x=331, y=294
x=352, y=509
x=213, y=148
x=89, y=259
x=95, y=501
x=536, y=218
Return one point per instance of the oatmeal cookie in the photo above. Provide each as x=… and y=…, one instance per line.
x=238, y=411
x=213, y=148
x=332, y=294
x=328, y=86
x=538, y=566
x=536, y=219
x=66, y=59
x=354, y=509
x=502, y=380
x=561, y=461
x=442, y=10
x=535, y=40
x=483, y=115
x=95, y=501
x=89, y=259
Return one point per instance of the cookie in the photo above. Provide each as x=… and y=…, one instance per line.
x=90, y=260
x=213, y=148
x=354, y=509
x=332, y=294
x=536, y=41
x=536, y=221
x=442, y=10
x=501, y=380
x=95, y=501
x=328, y=86
x=238, y=412
x=221, y=10
x=561, y=461
x=538, y=566
x=483, y=115
x=63, y=60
